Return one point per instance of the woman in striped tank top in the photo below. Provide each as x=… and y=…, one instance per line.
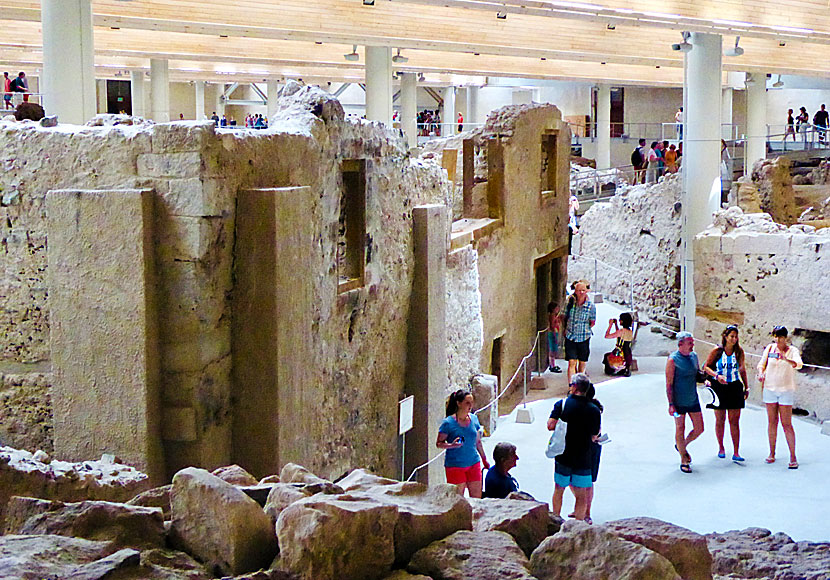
x=725, y=365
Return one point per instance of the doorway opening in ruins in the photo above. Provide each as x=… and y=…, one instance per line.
x=549, y=169
x=119, y=98
x=814, y=346
x=495, y=360
x=351, y=232
x=549, y=288
x=617, y=110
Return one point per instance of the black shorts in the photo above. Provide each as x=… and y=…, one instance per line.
x=729, y=396
x=577, y=350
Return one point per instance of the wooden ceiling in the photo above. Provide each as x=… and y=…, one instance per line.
x=600, y=41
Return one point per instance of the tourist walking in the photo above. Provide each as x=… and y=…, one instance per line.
x=682, y=374
x=637, y=161
x=580, y=317
x=671, y=159
x=7, y=91
x=554, y=329
x=596, y=451
x=790, y=127
x=572, y=468
x=20, y=85
x=821, y=120
x=802, y=122
x=726, y=366
x=678, y=123
x=653, y=163
x=776, y=372
x=460, y=123
x=460, y=435
x=499, y=483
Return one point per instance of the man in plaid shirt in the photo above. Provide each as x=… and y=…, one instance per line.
x=581, y=315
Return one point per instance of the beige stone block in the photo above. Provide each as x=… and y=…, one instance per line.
x=197, y=196
x=192, y=298
x=194, y=355
x=179, y=424
x=182, y=136
x=809, y=244
x=189, y=239
x=183, y=389
x=707, y=244
x=169, y=164
x=760, y=243
x=104, y=336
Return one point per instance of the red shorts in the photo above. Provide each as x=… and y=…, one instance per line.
x=458, y=475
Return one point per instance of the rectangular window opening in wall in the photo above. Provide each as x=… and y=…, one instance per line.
x=549, y=166
x=351, y=231
x=814, y=346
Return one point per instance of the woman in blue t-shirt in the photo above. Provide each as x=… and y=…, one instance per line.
x=460, y=435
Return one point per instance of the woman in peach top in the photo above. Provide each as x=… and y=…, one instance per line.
x=776, y=371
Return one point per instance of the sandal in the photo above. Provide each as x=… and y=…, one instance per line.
x=686, y=458
x=721, y=454
x=737, y=458
x=685, y=468
x=793, y=465
x=769, y=460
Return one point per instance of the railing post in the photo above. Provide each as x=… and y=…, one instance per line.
x=524, y=380
x=596, y=274
x=631, y=287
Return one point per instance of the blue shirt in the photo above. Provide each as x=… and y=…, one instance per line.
x=497, y=485
x=727, y=366
x=684, y=385
x=579, y=321
x=467, y=454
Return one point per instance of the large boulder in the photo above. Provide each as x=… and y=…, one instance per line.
x=465, y=555
x=235, y=475
x=363, y=479
x=36, y=557
x=293, y=473
x=425, y=514
x=280, y=497
x=109, y=566
x=758, y=553
x=584, y=552
x=686, y=550
x=337, y=537
x=163, y=564
x=30, y=111
x=124, y=525
x=157, y=497
x=526, y=521
x=220, y=525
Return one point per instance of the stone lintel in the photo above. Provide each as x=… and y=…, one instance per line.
x=724, y=316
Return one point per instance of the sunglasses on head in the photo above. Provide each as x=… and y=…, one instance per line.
x=732, y=327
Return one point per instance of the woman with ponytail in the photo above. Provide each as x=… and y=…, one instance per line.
x=460, y=435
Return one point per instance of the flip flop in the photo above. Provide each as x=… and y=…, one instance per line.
x=793, y=465
x=685, y=468
x=722, y=454
x=687, y=458
x=769, y=460
x=737, y=459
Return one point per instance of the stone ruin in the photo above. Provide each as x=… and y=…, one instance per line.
x=298, y=526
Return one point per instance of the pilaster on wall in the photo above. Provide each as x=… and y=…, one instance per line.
x=272, y=312
x=426, y=373
x=104, y=330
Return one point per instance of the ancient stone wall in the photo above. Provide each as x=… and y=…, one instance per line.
x=637, y=232
x=465, y=332
x=356, y=340
x=756, y=273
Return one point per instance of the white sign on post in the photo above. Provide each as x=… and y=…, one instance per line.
x=406, y=414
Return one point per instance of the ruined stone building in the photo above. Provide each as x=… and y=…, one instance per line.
x=179, y=295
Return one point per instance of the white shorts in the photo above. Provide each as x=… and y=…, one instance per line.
x=780, y=397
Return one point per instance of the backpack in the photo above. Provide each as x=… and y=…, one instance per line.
x=636, y=157
x=556, y=444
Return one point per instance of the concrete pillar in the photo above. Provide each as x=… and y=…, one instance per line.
x=137, y=93
x=271, y=376
x=409, y=107
x=727, y=132
x=756, y=120
x=379, y=84
x=159, y=90
x=472, y=105
x=272, y=90
x=220, y=102
x=701, y=153
x=105, y=346
x=448, y=118
x=426, y=371
x=522, y=96
x=101, y=95
x=200, y=100
x=68, y=60
x=603, y=126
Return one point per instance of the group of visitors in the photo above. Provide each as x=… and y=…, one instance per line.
x=254, y=121
x=653, y=162
x=18, y=84
x=429, y=123
x=801, y=123
x=725, y=374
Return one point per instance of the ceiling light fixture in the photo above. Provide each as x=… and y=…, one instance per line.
x=501, y=15
x=611, y=27
x=398, y=58
x=736, y=50
x=352, y=56
x=778, y=84
x=683, y=46
x=782, y=43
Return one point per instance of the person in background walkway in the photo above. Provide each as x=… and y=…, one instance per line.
x=20, y=85
x=671, y=159
x=637, y=161
x=776, y=372
x=215, y=118
x=580, y=316
x=7, y=91
x=652, y=161
x=460, y=122
x=499, y=483
x=554, y=327
x=678, y=123
x=682, y=374
x=572, y=468
x=790, y=127
x=661, y=150
x=624, y=334
x=821, y=119
x=726, y=365
x=460, y=435
x=573, y=224
x=802, y=122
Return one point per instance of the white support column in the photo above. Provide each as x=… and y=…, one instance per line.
x=379, y=84
x=756, y=120
x=68, y=60
x=409, y=108
x=272, y=89
x=701, y=154
x=101, y=96
x=200, y=100
x=472, y=105
x=448, y=118
x=220, y=102
x=603, y=126
x=137, y=93
x=159, y=90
